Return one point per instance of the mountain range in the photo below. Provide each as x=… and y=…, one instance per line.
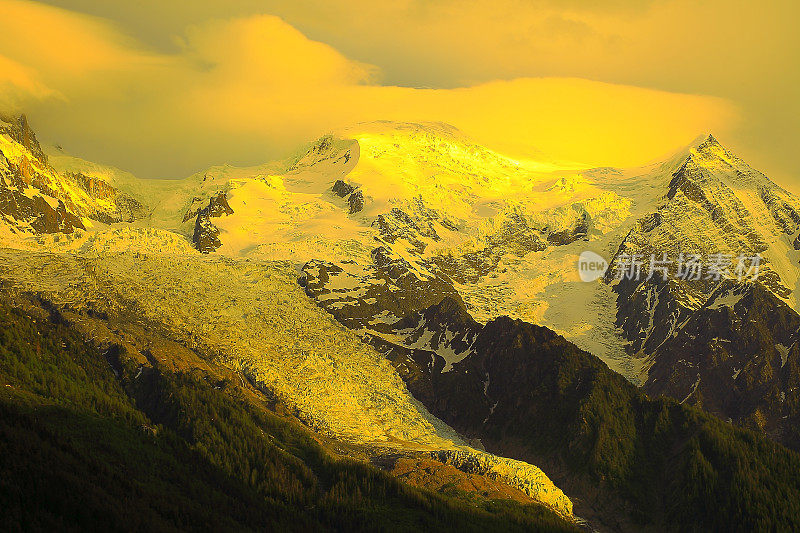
x=411, y=300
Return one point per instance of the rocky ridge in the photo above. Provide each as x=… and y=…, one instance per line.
x=37, y=199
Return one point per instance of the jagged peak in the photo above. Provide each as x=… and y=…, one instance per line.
x=18, y=128
x=710, y=144
x=704, y=143
x=705, y=152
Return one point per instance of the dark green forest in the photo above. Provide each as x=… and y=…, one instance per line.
x=651, y=463
x=94, y=442
x=84, y=446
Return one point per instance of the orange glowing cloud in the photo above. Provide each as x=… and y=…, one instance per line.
x=19, y=83
x=247, y=89
x=62, y=43
x=264, y=51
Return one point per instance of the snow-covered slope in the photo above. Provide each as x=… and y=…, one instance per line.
x=382, y=221
x=405, y=214
x=506, y=235
x=247, y=311
x=257, y=321
x=395, y=207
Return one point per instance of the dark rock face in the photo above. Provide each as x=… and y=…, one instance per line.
x=377, y=296
x=218, y=206
x=469, y=267
x=356, y=202
x=126, y=208
x=355, y=198
x=420, y=338
x=568, y=236
x=649, y=311
x=511, y=359
x=736, y=357
x=19, y=130
x=34, y=211
x=206, y=235
x=728, y=347
x=492, y=385
x=38, y=213
x=722, y=345
x=397, y=224
x=447, y=323
x=342, y=189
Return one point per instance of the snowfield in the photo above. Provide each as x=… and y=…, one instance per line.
x=256, y=320
x=506, y=233
x=386, y=217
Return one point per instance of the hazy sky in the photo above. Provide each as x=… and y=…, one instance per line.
x=167, y=88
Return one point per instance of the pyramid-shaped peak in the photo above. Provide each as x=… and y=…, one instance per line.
x=710, y=141
x=705, y=147
x=711, y=158
x=711, y=149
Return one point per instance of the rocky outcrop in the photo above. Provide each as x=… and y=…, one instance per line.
x=37, y=213
x=397, y=224
x=342, y=189
x=356, y=202
x=427, y=343
x=428, y=473
x=28, y=208
x=523, y=476
x=20, y=131
x=119, y=206
x=206, y=235
x=377, y=296
x=354, y=196
x=34, y=197
x=446, y=325
x=28, y=199
x=570, y=235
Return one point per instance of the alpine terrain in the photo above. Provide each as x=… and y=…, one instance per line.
x=389, y=331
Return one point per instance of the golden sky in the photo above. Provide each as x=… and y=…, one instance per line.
x=167, y=88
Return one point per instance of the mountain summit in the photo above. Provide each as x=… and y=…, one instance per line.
x=368, y=285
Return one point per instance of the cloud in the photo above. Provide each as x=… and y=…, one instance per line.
x=265, y=51
x=246, y=89
x=65, y=45
x=19, y=85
